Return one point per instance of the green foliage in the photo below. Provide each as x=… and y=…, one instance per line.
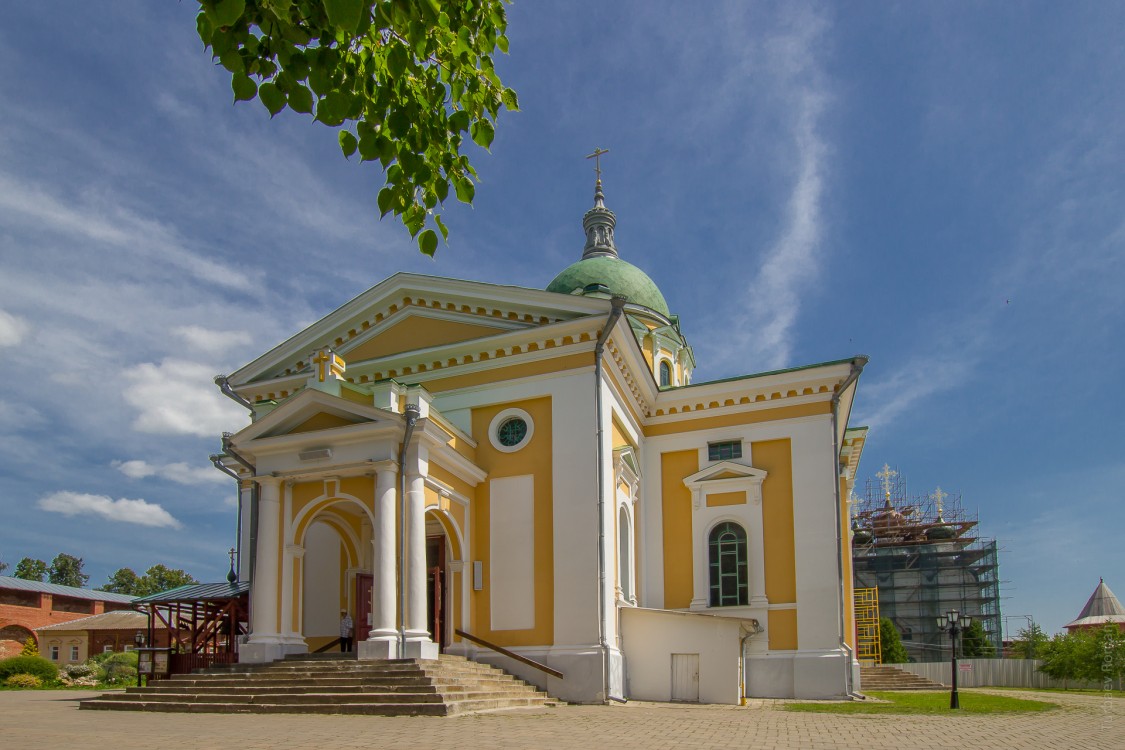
x=66, y=570
x=30, y=569
x=42, y=668
x=117, y=668
x=156, y=579
x=1064, y=654
x=1106, y=664
x=891, y=643
x=29, y=647
x=975, y=643
x=405, y=81
x=1029, y=642
x=123, y=581
x=23, y=681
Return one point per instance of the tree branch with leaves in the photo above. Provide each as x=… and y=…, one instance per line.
x=403, y=81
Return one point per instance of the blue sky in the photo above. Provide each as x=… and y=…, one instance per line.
x=938, y=186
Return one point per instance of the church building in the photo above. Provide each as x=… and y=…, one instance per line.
x=531, y=478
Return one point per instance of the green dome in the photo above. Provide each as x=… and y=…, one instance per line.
x=616, y=275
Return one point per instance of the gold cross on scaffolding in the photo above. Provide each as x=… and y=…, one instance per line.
x=887, y=474
x=939, y=498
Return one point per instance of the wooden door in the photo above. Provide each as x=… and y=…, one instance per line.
x=436, y=590
x=362, y=614
x=685, y=677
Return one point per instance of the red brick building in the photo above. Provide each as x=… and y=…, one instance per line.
x=27, y=605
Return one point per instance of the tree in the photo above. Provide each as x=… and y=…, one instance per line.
x=31, y=569
x=1029, y=642
x=403, y=82
x=1064, y=654
x=975, y=643
x=30, y=648
x=160, y=578
x=1106, y=662
x=891, y=643
x=66, y=570
x=156, y=579
x=123, y=581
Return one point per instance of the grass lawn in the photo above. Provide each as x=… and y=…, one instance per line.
x=924, y=702
x=1068, y=691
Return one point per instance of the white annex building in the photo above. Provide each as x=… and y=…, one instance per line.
x=537, y=470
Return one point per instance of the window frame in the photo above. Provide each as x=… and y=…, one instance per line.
x=715, y=450
x=720, y=551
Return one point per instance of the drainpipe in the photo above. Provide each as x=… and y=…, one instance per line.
x=228, y=391
x=755, y=628
x=857, y=367
x=618, y=306
x=410, y=414
x=217, y=461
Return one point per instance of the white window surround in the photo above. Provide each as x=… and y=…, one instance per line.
x=718, y=478
x=499, y=419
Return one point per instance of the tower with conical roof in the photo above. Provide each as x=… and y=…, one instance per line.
x=1101, y=609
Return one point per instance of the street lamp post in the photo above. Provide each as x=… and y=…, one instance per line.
x=138, y=641
x=954, y=622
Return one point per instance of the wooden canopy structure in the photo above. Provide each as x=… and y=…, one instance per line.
x=205, y=622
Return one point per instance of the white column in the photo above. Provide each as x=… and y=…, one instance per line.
x=382, y=643
x=265, y=642
x=756, y=557
x=245, y=495
x=418, y=642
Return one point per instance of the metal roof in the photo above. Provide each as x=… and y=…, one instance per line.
x=125, y=619
x=7, y=582
x=1101, y=608
x=196, y=592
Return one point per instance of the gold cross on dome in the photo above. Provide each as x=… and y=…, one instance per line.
x=597, y=157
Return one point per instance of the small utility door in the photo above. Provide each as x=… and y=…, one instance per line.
x=362, y=616
x=685, y=677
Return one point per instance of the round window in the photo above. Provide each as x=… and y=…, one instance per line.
x=511, y=432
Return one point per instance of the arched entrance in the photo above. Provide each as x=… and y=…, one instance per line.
x=443, y=548
x=328, y=551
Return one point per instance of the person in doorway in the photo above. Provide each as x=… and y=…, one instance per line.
x=347, y=630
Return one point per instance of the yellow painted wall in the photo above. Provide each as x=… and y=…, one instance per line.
x=525, y=370
x=534, y=459
x=675, y=506
x=322, y=421
x=783, y=629
x=417, y=332
x=726, y=498
x=775, y=457
x=353, y=395
x=740, y=418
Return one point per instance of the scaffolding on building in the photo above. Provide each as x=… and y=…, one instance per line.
x=868, y=637
x=925, y=558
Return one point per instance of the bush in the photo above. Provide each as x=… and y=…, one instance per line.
x=79, y=670
x=44, y=669
x=29, y=648
x=23, y=681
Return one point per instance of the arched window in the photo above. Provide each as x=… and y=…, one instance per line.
x=665, y=373
x=727, y=557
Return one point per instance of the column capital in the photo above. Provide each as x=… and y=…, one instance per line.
x=386, y=465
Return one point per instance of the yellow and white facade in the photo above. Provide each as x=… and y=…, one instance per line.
x=441, y=455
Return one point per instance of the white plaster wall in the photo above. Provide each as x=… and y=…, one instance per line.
x=650, y=637
x=511, y=575
x=322, y=581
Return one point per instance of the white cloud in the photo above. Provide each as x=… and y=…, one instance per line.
x=910, y=384
x=12, y=329
x=210, y=341
x=178, y=472
x=124, y=510
x=178, y=397
x=15, y=416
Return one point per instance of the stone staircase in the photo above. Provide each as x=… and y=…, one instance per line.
x=333, y=684
x=887, y=677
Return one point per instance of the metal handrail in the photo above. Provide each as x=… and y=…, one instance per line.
x=510, y=654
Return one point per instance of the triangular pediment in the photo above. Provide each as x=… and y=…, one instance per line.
x=312, y=411
x=419, y=330
x=725, y=471
x=407, y=312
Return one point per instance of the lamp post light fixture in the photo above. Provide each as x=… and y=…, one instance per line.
x=138, y=641
x=954, y=622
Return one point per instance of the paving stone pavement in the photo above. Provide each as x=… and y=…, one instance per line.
x=50, y=720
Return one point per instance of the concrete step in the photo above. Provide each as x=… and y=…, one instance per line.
x=886, y=677
x=333, y=684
